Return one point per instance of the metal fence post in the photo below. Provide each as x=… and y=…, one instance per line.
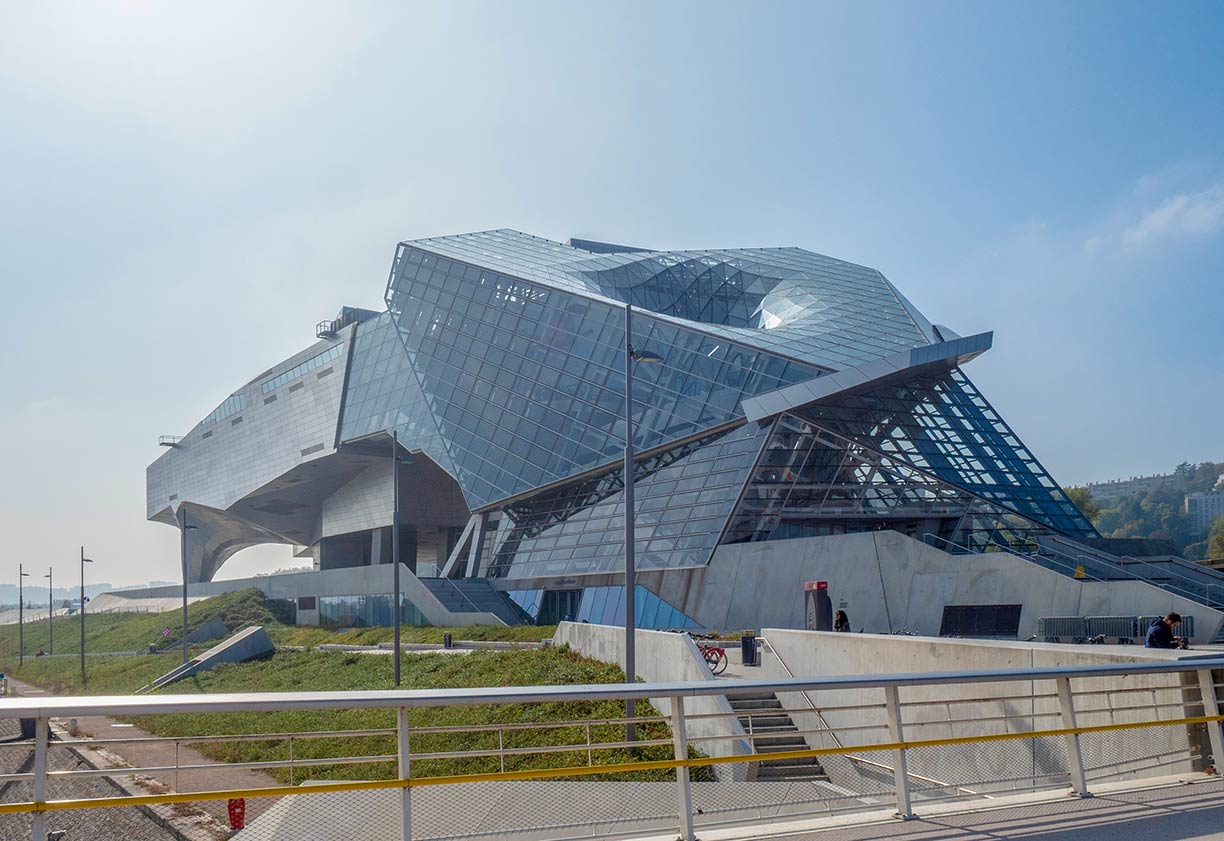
x=1211, y=707
x=684, y=789
x=892, y=707
x=401, y=726
x=38, y=830
x=1075, y=760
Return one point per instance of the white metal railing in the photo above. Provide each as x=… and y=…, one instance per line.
x=903, y=715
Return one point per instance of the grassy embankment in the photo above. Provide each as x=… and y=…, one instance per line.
x=315, y=670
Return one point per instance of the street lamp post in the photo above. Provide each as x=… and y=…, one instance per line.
x=50, y=610
x=395, y=559
x=396, y=460
x=631, y=356
x=183, y=529
x=21, y=576
x=84, y=560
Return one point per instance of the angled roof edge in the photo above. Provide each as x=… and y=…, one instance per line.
x=955, y=352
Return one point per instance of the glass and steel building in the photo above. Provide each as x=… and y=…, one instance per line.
x=799, y=397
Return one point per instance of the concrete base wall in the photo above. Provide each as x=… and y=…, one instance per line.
x=942, y=712
x=661, y=656
x=887, y=581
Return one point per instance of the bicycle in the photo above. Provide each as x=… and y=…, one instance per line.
x=715, y=657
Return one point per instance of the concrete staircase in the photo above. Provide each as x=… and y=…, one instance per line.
x=475, y=595
x=772, y=731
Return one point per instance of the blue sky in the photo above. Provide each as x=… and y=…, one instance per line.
x=185, y=189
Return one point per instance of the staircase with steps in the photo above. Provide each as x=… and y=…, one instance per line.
x=475, y=595
x=772, y=731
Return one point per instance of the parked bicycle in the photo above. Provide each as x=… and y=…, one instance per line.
x=715, y=655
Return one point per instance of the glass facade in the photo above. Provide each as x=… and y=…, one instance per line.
x=233, y=404
x=941, y=424
x=683, y=498
x=601, y=606
x=501, y=357
x=788, y=301
x=382, y=393
x=366, y=612
x=526, y=382
x=305, y=367
x=811, y=482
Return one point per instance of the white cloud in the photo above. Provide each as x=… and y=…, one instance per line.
x=1182, y=216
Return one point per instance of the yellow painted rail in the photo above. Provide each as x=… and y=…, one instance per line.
x=574, y=771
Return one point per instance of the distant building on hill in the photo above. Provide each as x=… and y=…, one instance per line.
x=1203, y=508
x=1117, y=488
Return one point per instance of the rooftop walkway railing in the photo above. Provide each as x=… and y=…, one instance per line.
x=552, y=761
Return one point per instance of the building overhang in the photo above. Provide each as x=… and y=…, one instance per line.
x=941, y=354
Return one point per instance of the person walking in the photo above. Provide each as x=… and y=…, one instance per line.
x=841, y=622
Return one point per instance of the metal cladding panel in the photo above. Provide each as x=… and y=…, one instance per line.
x=235, y=452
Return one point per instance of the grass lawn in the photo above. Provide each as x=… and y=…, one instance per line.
x=317, y=670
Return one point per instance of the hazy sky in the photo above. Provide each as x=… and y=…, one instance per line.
x=186, y=188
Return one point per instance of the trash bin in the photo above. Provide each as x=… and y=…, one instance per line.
x=748, y=648
x=447, y=640
x=27, y=727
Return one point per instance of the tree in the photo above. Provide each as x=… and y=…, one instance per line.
x=1082, y=497
x=1215, y=540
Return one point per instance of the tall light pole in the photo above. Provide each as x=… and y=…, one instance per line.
x=50, y=610
x=183, y=529
x=21, y=576
x=395, y=559
x=396, y=460
x=84, y=560
x=631, y=356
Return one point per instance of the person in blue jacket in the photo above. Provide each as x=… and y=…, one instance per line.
x=1160, y=632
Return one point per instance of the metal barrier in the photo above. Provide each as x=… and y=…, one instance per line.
x=904, y=740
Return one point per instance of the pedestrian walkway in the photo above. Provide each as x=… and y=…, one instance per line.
x=1170, y=809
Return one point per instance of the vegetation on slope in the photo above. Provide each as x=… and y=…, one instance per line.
x=1159, y=513
x=109, y=632
x=317, y=670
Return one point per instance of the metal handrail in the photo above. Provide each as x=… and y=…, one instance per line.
x=112, y=705
x=894, y=743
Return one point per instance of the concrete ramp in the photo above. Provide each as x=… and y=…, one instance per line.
x=248, y=644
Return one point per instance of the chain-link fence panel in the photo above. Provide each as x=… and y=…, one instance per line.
x=768, y=791
x=939, y=772
x=1144, y=752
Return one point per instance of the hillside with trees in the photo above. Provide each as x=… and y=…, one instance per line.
x=1161, y=512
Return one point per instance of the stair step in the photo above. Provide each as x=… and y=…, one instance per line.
x=752, y=696
x=763, y=721
x=766, y=744
x=761, y=729
x=740, y=705
x=802, y=762
x=792, y=776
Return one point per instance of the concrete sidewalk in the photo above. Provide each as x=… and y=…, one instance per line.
x=1167, y=809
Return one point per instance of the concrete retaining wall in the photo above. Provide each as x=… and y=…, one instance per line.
x=939, y=712
x=887, y=581
x=662, y=656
